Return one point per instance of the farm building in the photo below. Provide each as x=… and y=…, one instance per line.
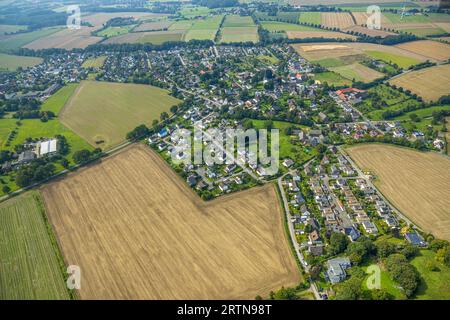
x=47, y=148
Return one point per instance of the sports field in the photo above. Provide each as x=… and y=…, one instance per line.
x=416, y=183
x=103, y=112
x=29, y=257
x=141, y=233
x=11, y=62
x=429, y=83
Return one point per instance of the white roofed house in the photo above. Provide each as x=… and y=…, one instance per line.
x=47, y=148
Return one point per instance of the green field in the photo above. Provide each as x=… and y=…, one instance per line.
x=352, y=71
x=290, y=17
x=423, y=113
x=435, y=284
x=181, y=25
x=397, y=18
x=59, y=99
x=31, y=265
x=332, y=78
x=331, y=62
x=402, y=61
x=94, y=62
x=8, y=28
x=423, y=32
x=114, y=31
x=14, y=42
x=204, y=29
x=274, y=26
x=239, y=34
x=189, y=11
x=310, y=17
x=233, y=21
x=239, y=29
x=12, y=63
x=103, y=113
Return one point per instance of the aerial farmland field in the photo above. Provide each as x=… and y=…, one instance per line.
x=16, y=41
x=318, y=34
x=102, y=112
x=432, y=49
x=310, y=17
x=239, y=29
x=12, y=62
x=429, y=83
x=143, y=234
x=340, y=20
x=416, y=183
x=65, y=39
x=205, y=29
x=94, y=62
x=30, y=263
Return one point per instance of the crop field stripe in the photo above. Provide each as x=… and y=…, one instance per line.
x=30, y=262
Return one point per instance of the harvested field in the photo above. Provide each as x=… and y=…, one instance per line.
x=103, y=112
x=318, y=34
x=66, y=39
x=153, y=26
x=429, y=83
x=29, y=260
x=315, y=52
x=447, y=134
x=340, y=20
x=369, y=32
x=444, y=26
x=416, y=183
x=155, y=37
x=361, y=18
x=138, y=232
x=432, y=49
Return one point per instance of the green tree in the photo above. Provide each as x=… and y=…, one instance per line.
x=338, y=243
x=81, y=156
x=384, y=248
x=6, y=189
x=284, y=294
x=164, y=116
x=380, y=294
x=410, y=251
